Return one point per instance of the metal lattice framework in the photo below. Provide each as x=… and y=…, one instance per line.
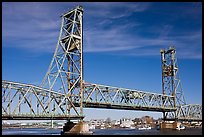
x=65, y=73
x=171, y=85
x=63, y=94
x=24, y=101
x=190, y=112
x=102, y=96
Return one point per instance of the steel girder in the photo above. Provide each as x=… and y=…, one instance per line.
x=65, y=73
x=189, y=112
x=102, y=96
x=24, y=101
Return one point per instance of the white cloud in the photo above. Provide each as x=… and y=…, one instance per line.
x=115, y=10
x=36, y=26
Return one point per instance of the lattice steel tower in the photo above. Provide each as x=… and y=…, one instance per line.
x=171, y=84
x=65, y=73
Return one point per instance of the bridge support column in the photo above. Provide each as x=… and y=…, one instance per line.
x=80, y=128
x=169, y=125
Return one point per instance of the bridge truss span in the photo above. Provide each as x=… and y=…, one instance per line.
x=189, y=112
x=25, y=101
x=101, y=96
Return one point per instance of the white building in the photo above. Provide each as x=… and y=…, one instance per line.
x=126, y=123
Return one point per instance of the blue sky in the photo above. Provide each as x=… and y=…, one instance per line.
x=121, y=45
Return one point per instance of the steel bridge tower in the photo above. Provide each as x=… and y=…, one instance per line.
x=65, y=73
x=171, y=84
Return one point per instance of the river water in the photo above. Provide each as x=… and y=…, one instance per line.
x=44, y=131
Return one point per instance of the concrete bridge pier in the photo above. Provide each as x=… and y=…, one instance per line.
x=169, y=125
x=80, y=128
